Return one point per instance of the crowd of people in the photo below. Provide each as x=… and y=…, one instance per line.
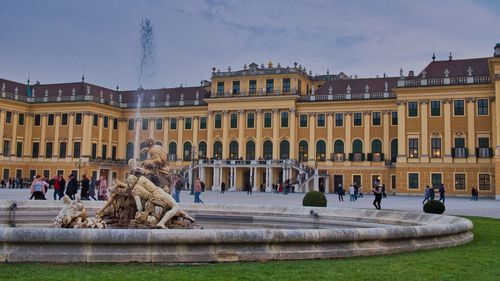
x=12, y=183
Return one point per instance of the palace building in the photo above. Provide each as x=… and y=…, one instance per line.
x=268, y=123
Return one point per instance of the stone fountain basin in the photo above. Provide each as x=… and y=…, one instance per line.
x=230, y=233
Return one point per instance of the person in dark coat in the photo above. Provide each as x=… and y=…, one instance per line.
x=432, y=193
x=84, y=193
x=72, y=188
x=222, y=187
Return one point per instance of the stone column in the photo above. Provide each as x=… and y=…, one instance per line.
x=366, y=134
x=347, y=126
x=28, y=132
x=312, y=138
x=195, y=134
x=401, y=132
x=166, y=128
x=99, y=140
x=329, y=135
x=56, y=135
x=122, y=138
x=152, y=128
x=42, y=134
x=447, y=131
x=110, y=136
x=13, y=149
x=225, y=135
x=2, y=125
x=87, y=134
x=210, y=134
x=241, y=132
x=71, y=128
x=276, y=128
x=293, y=134
x=180, y=144
x=258, y=138
x=471, y=131
x=424, y=157
x=387, y=142
x=254, y=177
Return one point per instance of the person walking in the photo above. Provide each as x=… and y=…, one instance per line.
x=474, y=194
x=103, y=189
x=427, y=192
x=356, y=189
x=432, y=193
x=384, y=194
x=179, y=184
x=38, y=188
x=377, y=191
x=197, y=191
x=352, y=195
x=249, y=188
x=92, y=186
x=72, y=189
x=441, y=193
x=57, y=188
x=340, y=192
x=222, y=187
x=62, y=186
x=360, y=191
x=85, y=191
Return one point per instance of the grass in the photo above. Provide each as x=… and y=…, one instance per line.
x=479, y=260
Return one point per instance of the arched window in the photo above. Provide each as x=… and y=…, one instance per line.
x=143, y=155
x=268, y=150
x=217, y=150
x=233, y=150
x=376, y=146
x=394, y=150
x=357, y=146
x=202, y=150
x=250, y=150
x=338, y=146
x=284, y=149
x=187, y=151
x=303, y=149
x=172, y=151
x=320, y=150
x=130, y=151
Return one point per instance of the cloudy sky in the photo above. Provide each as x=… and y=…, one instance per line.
x=54, y=40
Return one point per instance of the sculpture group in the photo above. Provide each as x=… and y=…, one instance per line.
x=142, y=201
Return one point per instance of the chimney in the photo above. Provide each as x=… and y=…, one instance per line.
x=450, y=57
x=497, y=50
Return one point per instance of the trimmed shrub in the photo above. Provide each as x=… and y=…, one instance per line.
x=314, y=199
x=434, y=207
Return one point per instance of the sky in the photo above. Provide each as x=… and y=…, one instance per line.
x=55, y=41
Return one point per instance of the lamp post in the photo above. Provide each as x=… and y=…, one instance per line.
x=193, y=159
x=80, y=164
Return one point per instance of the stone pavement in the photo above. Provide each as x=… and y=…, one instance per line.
x=485, y=207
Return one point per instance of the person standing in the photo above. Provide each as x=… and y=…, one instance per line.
x=441, y=193
x=377, y=191
x=360, y=191
x=352, y=194
x=340, y=192
x=72, y=187
x=474, y=194
x=222, y=187
x=62, y=186
x=427, y=192
x=38, y=188
x=249, y=188
x=92, y=186
x=384, y=193
x=432, y=193
x=356, y=190
x=197, y=191
x=57, y=188
x=179, y=184
x=85, y=191
x=103, y=189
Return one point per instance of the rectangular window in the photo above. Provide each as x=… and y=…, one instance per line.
x=459, y=181
x=6, y=147
x=203, y=123
x=412, y=180
x=482, y=107
x=76, y=149
x=376, y=119
x=321, y=121
x=458, y=107
x=436, y=147
x=46, y=174
x=37, y=120
x=269, y=86
x=413, y=109
x=234, y=121
x=173, y=123
x=284, y=119
x=484, y=182
x=94, y=151
x=6, y=173
x=104, y=152
x=20, y=120
x=394, y=118
x=19, y=173
x=218, y=121
x=8, y=117
x=236, y=87
x=48, y=149
x=62, y=150
x=145, y=124
x=435, y=108
x=115, y=123
x=220, y=88
x=95, y=120
x=413, y=148
x=484, y=142
x=267, y=120
x=303, y=120
x=50, y=120
x=436, y=180
x=339, y=119
x=358, y=119
x=159, y=124
x=19, y=149
x=131, y=124
x=250, y=120
x=106, y=122
x=188, y=123
x=64, y=119
x=286, y=85
x=35, y=150
x=78, y=119
x=113, y=152
x=252, y=86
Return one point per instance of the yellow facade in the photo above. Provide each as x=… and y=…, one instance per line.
x=446, y=130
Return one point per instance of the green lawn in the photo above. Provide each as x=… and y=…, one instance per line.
x=479, y=260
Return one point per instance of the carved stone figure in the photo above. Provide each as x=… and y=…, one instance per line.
x=74, y=215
